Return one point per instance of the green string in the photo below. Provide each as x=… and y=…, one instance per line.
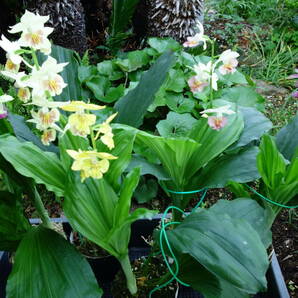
x=163, y=238
x=270, y=201
x=185, y=192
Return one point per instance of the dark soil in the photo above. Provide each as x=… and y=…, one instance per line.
x=285, y=242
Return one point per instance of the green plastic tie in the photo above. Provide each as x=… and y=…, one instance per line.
x=164, y=238
x=270, y=201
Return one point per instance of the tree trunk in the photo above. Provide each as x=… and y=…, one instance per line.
x=174, y=18
x=68, y=19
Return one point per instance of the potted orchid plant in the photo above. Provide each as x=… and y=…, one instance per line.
x=86, y=159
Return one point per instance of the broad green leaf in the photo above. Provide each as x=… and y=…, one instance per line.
x=176, y=125
x=46, y=265
x=255, y=125
x=147, y=167
x=250, y=211
x=133, y=106
x=271, y=163
x=287, y=139
x=229, y=291
x=200, y=279
x=23, y=133
x=85, y=73
x=113, y=94
x=175, y=81
x=109, y=69
x=178, y=103
x=134, y=61
x=227, y=247
x=215, y=142
x=179, y=156
x=99, y=85
x=146, y=190
x=234, y=78
x=244, y=96
x=13, y=224
x=241, y=167
x=162, y=45
x=30, y=161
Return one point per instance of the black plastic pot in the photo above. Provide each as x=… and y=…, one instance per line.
x=138, y=247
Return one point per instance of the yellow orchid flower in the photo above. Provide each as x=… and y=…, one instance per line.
x=79, y=124
x=106, y=130
x=90, y=163
x=80, y=106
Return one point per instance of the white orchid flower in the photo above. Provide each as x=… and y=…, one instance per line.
x=230, y=62
x=10, y=47
x=218, y=121
x=224, y=110
x=34, y=33
x=46, y=78
x=29, y=21
x=204, y=74
x=45, y=118
x=193, y=41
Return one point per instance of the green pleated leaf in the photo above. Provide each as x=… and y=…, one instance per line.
x=13, y=224
x=241, y=167
x=89, y=207
x=128, y=187
x=215, y=142
x=287, y=139
x=271, y=163
x=94, y=209
x=227, y=247
x=147, y=167
x=30, y=161
x=46, y=265
x=180, y=157
x=133, y=106
x=250, y=211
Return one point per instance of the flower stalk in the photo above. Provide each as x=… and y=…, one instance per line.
x=130, y=277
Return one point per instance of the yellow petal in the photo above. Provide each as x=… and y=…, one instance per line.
x=77, y=106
